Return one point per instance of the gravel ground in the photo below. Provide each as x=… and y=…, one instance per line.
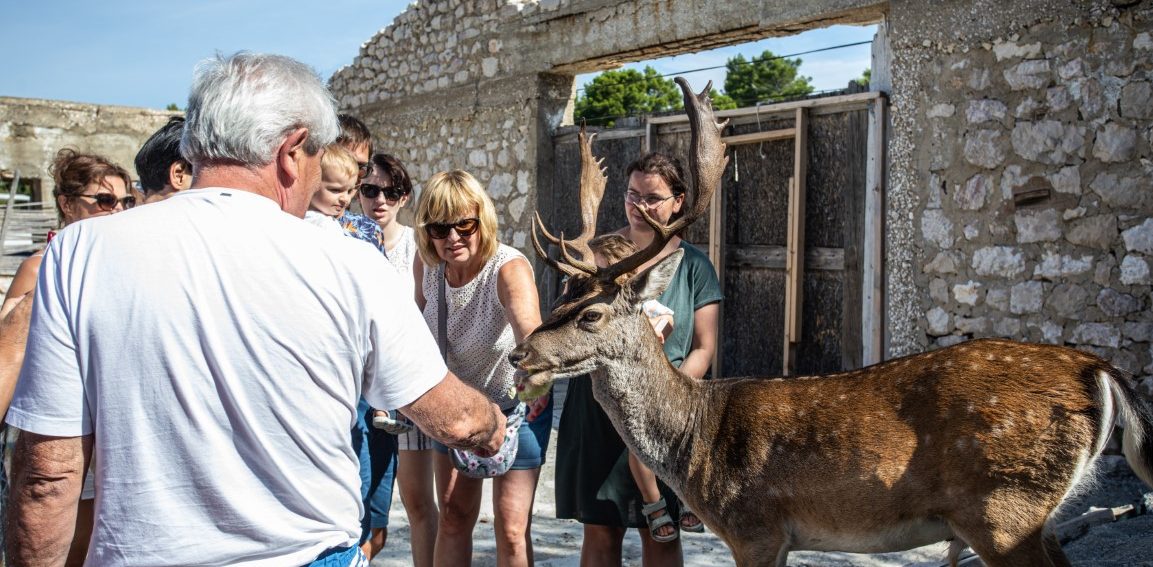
x=556, y=543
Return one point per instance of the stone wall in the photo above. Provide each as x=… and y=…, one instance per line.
x=1020, y=201
x=482, y=85
x=33, y=130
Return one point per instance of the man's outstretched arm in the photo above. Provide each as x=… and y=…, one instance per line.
x=47, y=478
x=459, y=416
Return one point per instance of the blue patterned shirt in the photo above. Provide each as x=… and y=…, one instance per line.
x=364, y=228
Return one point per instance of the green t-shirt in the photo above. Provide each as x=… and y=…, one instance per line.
x=693, y=286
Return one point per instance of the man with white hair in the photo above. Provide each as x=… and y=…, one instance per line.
x=224, y=438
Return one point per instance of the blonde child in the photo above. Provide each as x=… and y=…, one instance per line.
x=608, y=249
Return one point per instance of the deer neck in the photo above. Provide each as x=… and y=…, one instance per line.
x=652, y=404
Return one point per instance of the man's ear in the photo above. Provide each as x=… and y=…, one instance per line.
x=651, y=283
x=180, y=175
x=289, y=155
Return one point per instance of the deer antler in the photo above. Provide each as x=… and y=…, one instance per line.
x=707, y=162
x=592, y=190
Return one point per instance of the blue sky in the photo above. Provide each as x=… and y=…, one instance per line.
x=141, y=53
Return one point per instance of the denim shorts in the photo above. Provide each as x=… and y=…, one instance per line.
x=532, y=441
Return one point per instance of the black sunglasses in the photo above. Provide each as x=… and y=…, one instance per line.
x=464, y=227
x=363, y=169
x=107, y=201
x=391, y=194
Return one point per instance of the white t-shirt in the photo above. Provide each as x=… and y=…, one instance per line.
x=216, y=348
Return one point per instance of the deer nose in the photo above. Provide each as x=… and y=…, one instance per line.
x=516, y=356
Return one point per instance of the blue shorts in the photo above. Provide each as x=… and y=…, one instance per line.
x=532, y=441
x=377, y=452
x=341, y=557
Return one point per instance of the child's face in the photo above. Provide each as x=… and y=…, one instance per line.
x=335, y=193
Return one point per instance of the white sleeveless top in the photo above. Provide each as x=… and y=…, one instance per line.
x=402, y=257
x=479, y=335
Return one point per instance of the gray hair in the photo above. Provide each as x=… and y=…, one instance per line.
x=242, y=106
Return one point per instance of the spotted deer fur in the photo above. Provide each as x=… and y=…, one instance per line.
x=977, y=443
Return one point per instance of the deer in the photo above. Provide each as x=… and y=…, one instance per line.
x=976, y=444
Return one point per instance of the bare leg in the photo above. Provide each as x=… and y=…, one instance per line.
x=414, y=477
x=647, y=483
x=602, y=546
x=459, y=509
x=656, y=554
x=513, y=496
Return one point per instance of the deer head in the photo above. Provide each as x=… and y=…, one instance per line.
x=600, y=308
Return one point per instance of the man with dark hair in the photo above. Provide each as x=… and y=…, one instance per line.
x=162, y=170
x=355, y=137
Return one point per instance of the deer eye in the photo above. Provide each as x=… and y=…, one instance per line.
x=591, y=316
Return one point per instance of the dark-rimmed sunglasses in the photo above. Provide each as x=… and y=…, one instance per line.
x=107, y=201
x=371, y=191
x=463, y=227
x=363, y=169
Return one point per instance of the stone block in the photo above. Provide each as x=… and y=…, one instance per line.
x=941, y=110
x=1096, y=334
x=967, y=293
x=971, y=231
x=1002, y=261
x=1137, y=100
x=1139, y=331
x=1007, y=327
x=1026, y=297
x=1052, y=333
x=938, y=321
x=1143, y=42
x=937, y=228
x=1074, y=69
x=1031, y=74
x=1139, y=238
x=1115, y=143
x=1014, y=50
x=974, y=194
x=985, y=110
x=1117, y=304
x=1088, y=93
x=1038, y=226
x=1048, y=141
x=500, y=186
x=1120, y=192
x=943, y=263
x=1135, y=270
x=1055, y=265
x=1058, y=99
x=1066, y=180
x=972, y=325
x=1067, y=300
x=951, y=340
x=998, y=297
x=1011, y=179
x=985, y=148
x=939, y=291
x=1097, y=231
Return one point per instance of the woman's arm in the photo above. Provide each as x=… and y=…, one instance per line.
x=699, y=358
x=418, y=277
x=517, y=292
x=23, y=282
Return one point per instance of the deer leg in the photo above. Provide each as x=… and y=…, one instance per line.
x=771, y=551
x=1053, y=547
x=1003, y=548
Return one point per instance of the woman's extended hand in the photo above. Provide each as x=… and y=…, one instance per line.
x=536, y=407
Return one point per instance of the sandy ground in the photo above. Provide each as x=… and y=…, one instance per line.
x=557, y=543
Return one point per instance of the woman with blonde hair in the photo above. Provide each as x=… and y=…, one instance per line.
x=491, y=304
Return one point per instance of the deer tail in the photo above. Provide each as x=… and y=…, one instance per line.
x=1135, y=413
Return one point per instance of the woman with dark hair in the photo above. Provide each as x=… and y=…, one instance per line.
x=594, y=484
x=87, y=186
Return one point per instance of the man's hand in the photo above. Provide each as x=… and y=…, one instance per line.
x=13, y=337
x=459, y=416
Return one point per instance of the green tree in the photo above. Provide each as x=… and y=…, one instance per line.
x=766, y=77
x=722, y=101
x=626, y=92
x=172, y=106
x=866, y=76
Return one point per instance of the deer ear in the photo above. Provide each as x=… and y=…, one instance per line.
x=651, y=283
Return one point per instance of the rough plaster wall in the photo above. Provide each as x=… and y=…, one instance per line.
x=33, y=130
x=991, y=97
x=482, y=84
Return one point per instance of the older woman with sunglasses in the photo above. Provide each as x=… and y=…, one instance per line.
x=87, y=186
x=491, y=304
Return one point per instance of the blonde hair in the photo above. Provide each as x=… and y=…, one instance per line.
x=337, y=159
x=450, y=196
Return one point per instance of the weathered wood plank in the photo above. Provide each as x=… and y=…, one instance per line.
x=773, y=258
